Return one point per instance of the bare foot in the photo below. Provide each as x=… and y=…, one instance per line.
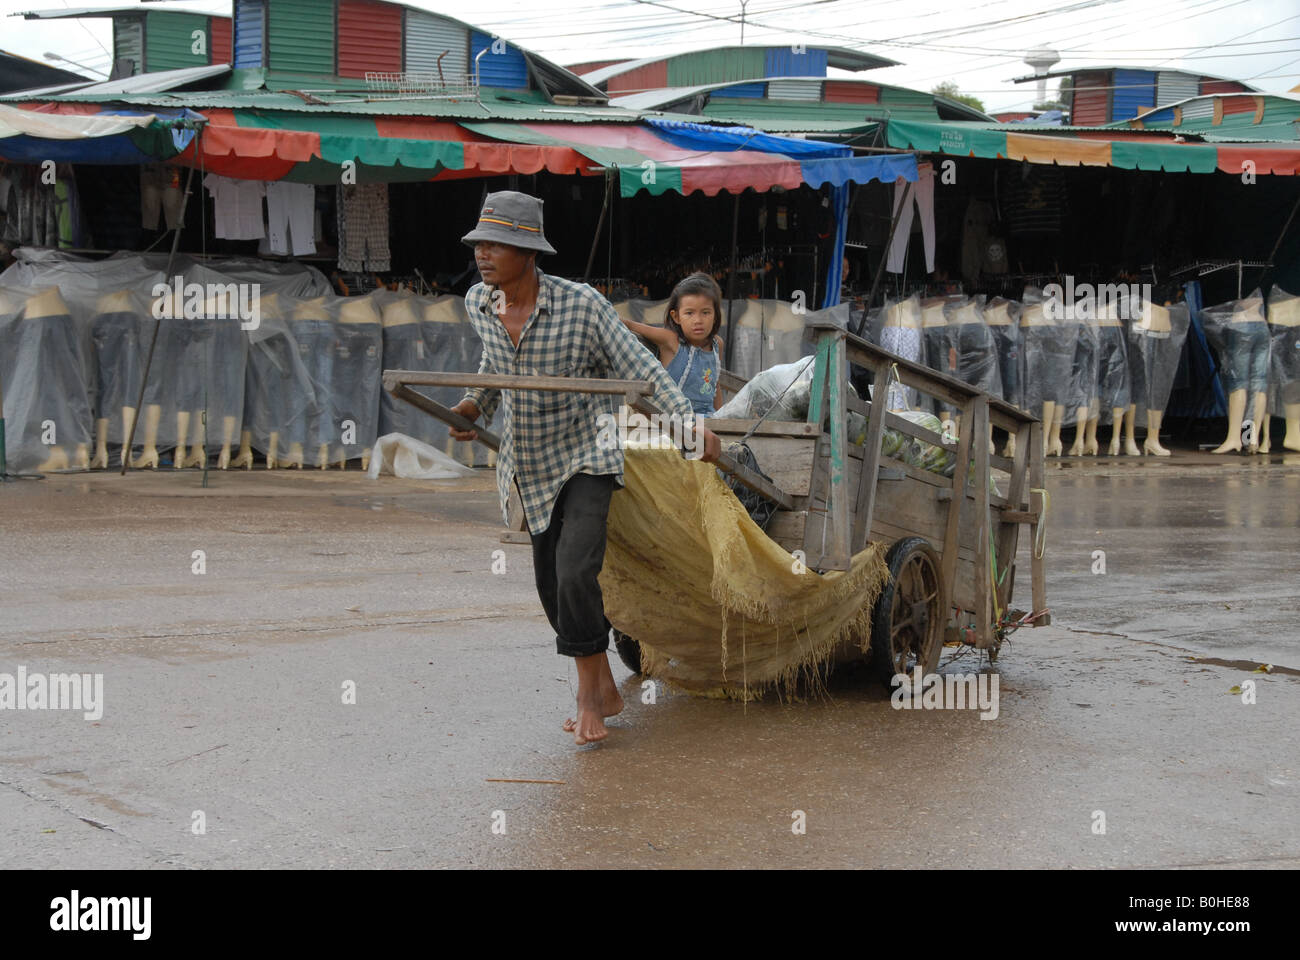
x=611, y=704
x=589, y=727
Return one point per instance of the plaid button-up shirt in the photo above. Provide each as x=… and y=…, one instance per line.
x=548, y=437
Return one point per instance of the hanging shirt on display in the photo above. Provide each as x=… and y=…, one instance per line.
x=237, y=207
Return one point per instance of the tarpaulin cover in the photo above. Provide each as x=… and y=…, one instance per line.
x=1155, y=345
x=1239, y=335
x=42, y=369
x=713, y=601
x=105, y=136
x=1284, y=330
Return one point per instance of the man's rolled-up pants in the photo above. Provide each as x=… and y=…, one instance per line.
x=567, y=557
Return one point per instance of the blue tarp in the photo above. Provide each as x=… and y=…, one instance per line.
x=144, y=145
x=820, y=164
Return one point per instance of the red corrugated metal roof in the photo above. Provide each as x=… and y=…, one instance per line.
x=220, y=39
x=1221, y=86
x=1242, y=104
x=842, y=91
x=653, y=76
x=370, y=37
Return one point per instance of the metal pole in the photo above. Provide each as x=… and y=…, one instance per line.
x=731, y=280
x=153, y=341
x=884, y=256
x=600, y=226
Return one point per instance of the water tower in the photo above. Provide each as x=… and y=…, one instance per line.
x=1042, y=59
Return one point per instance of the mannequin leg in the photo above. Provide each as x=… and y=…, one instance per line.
x=365, y=459
x=1236, y=411
x=1053, y=414
x=1116, y=428
x=1131, y=448
x=1090, y=446
x=323, y=456
x=1151, y=444
x=295, y=457
x=245, y=456
x=100, y=462
x=1292, y=441
x=198, y=455
x=1080, y=428
x=57, y=460
x=227, y=438
x=272, y=446
x=149, y=455
x=128, y=421
x=1264, y=442
x=81, y=456
x=1009, y=451
x=182, y=432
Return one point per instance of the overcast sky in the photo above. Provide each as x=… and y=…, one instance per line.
x=979, y=44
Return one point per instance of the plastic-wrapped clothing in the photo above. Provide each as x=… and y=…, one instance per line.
x=937, y=337
x=313, y=333
x=356, y=378
x=1003, y=319
x=120, y=321
x=1082, y=389
x=1239, y=334
x=1284, y=331
x=43, y=373
x=900, y=333
x=1114, y=386
x=1155, y=345
x=280, y=394
x=781, y=393
x=420, y=333
x=977, y=351
x=1048, y=357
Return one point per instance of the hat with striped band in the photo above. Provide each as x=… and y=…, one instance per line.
x=511, y=218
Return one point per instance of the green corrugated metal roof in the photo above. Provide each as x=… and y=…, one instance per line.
x=801, y=115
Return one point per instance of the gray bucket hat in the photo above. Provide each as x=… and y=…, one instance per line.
x=511, y=218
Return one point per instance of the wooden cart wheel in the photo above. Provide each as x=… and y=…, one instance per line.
x=907, y=628
x=629, y=651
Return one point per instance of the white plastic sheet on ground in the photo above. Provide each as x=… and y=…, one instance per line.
x=411, y=459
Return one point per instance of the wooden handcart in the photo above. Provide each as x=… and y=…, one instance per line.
x=952, y=541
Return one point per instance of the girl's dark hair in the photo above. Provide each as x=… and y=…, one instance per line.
x=697, y=284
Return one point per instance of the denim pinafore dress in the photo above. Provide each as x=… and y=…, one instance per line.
x=695, y=372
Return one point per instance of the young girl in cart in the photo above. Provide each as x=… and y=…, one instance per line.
x=688, y=342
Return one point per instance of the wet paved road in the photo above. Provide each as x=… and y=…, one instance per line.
x=224, y=694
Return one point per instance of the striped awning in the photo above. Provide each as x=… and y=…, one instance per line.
x=1093, y=148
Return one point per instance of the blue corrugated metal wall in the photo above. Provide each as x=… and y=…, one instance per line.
x=1135, y=91
x=750, y=91
x=250, y=33
x=784, y=62
x=508, y=70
